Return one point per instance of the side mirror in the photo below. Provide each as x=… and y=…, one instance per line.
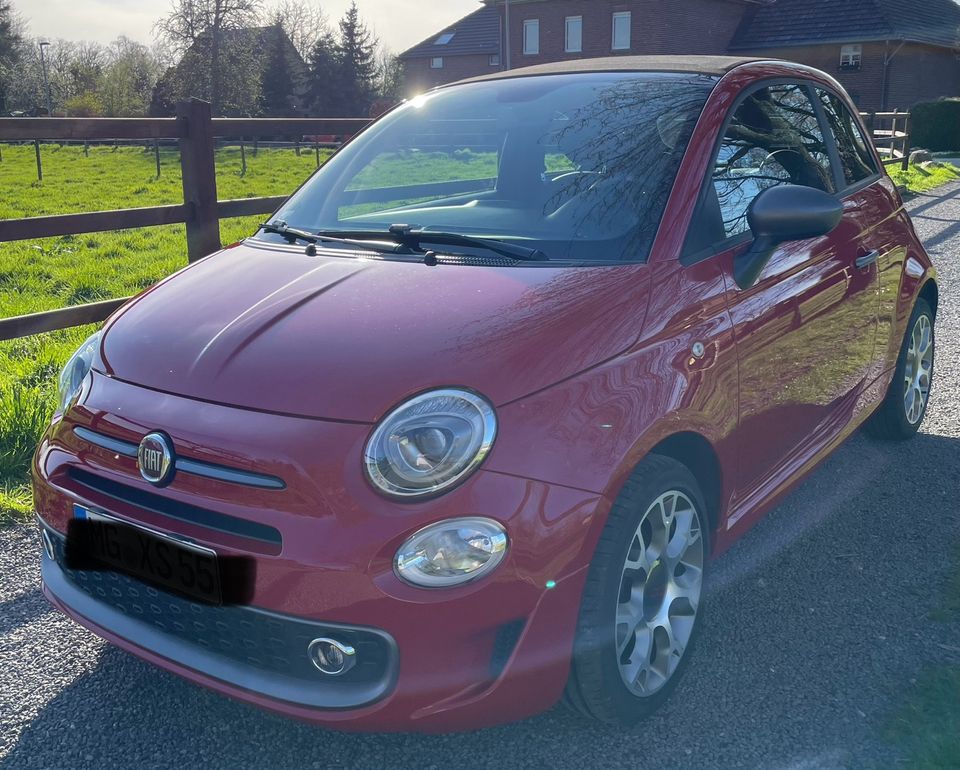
x=779, y=214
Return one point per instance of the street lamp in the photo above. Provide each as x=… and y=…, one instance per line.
x=46, y=82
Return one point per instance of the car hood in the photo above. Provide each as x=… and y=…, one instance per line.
x=346, y=338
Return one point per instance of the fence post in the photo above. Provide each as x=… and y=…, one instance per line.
x=316, y=147
x=243, y=158
x=156, y=154
x=198, y=171
x=36, y=147
x=907, y=128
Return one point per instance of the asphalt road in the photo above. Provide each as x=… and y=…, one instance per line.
x=817, y=620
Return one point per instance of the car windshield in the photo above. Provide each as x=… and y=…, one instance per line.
x=578, y=166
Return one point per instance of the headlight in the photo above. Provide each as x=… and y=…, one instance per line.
x=430, y=443
x=451, y=552
x=78, y=367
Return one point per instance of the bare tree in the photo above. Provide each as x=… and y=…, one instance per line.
x=389, y=74
x=304, y=23
x=202, y=23
x=128, y=78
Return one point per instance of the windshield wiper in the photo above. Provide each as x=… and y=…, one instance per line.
x=295, y=234
x=406, y=236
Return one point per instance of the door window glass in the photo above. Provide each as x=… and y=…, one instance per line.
x=774, y=138
x=856, y=160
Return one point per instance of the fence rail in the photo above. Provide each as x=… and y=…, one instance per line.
x=196, y=133
x=890, y=132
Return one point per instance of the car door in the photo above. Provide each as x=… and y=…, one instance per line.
x=805, y=330
x=870, y=203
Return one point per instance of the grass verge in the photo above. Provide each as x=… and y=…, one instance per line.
x=918, y=179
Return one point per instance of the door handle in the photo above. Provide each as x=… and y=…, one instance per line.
x=865, y=260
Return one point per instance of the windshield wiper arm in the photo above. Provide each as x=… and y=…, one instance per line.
x=413, y=239
x=295, y=234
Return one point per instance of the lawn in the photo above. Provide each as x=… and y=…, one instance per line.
x=54, y=272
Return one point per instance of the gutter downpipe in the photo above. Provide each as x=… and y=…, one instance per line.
x=884, y=87
x=506, y=13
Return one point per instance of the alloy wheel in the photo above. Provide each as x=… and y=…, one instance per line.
x=659, y=593
x=916, y=373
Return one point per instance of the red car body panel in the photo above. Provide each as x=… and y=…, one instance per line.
x=285, y=370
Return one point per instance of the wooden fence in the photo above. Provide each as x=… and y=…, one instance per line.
x=196, y=133
x=891, y=134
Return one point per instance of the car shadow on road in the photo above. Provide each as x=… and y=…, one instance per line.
x=815, y=619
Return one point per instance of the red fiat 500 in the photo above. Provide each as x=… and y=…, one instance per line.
x=458, y=430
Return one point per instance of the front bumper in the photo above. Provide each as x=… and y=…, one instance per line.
x=438, y=660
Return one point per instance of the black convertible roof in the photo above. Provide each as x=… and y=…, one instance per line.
x=702, y=65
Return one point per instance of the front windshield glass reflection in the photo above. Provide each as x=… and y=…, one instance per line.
x=578, y=165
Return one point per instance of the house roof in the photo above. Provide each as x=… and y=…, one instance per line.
x=701, y=65
x=804, y=22
x=479, y=32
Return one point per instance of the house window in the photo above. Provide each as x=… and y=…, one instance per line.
x=850, y=56
x=574, y=34
x=494, y=60
x=445, y=38
x=621, y=31
x=531, y=36
x=436, y=63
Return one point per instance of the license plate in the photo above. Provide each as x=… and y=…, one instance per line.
x=97, y=541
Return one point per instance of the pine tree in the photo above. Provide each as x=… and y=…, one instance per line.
x=357, y=59
x=9, y=50
x=323, y=95
x=278, y=90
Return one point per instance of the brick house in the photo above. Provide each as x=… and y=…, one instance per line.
x=887, y=53
x=469, y=47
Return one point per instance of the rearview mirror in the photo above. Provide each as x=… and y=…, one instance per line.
x=779, y=214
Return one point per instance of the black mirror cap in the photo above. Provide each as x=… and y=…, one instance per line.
x=793, y=213
x=784, y=213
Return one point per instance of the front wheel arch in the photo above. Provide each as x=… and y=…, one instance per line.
x=699, y=456
x=931, y=293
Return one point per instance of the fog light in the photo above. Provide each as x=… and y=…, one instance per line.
x=331, y=657
x=47, y=544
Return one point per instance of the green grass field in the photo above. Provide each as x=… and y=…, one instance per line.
x=54, y=272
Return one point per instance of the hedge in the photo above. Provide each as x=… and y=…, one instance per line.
x=935, y=126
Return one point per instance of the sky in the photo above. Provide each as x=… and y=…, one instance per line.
x=398, y=23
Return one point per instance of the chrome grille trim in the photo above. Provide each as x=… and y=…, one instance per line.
x=182, y=464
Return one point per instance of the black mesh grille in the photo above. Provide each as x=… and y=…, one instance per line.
x=139, y=498
x=253, y=637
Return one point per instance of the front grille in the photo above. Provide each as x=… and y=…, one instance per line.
x=202, y=517
x=265, y=640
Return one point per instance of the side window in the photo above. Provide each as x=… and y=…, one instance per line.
x=774, y=138
x=856, y=159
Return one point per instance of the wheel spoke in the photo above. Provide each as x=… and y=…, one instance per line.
x=638, y=557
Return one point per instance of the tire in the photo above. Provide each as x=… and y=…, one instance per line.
x=606, y=653
x=898, y=417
